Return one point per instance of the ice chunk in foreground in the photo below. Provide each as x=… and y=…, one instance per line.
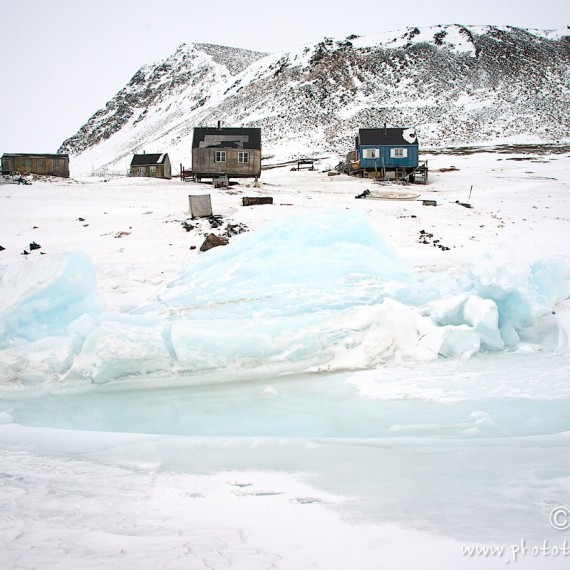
x=524, y=289
x=466, y=323
x=43, y=297
x=125, y=348
x=48, y=306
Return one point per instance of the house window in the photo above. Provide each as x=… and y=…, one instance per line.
x=399, y=153
x=243, y=157
x=153, y=169
x=371, y=153
x=141, y=171
x=220, y=156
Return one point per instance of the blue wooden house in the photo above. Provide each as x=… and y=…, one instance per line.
x=386, y=150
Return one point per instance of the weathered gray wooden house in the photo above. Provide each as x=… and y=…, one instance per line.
x=234, y=152
x=151, y=165
x=46, y=164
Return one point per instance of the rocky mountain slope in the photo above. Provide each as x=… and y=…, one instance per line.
x=456, y=84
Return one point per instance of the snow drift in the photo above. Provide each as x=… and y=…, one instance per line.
x=309, y=293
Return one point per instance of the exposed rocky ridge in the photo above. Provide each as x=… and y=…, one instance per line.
x=234, y=59
x=456, y=84
x=190, y=72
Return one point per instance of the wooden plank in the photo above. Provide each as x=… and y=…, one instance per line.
x=256, y=200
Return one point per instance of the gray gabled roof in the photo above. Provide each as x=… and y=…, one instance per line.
x=148, y=159
x=399, y=136
x=227, y=137
x=33, y=155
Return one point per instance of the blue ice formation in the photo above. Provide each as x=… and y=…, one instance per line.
x=48, y=307
x=321, y=291
x=43, y=298
x=295, y=266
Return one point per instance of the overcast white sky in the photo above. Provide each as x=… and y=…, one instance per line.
x=62, y=60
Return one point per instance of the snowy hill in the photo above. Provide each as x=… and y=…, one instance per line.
x=458, y=85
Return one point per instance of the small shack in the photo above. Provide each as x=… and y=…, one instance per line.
x=44, y=164
x=304, y=162
x=151, y=165
x=231, y=152
x=387, y=152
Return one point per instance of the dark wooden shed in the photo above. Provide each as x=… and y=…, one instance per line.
x=233, y=152
x=46, y=164
x=151, y=165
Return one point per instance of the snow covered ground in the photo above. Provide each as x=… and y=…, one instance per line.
x=350, y=383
